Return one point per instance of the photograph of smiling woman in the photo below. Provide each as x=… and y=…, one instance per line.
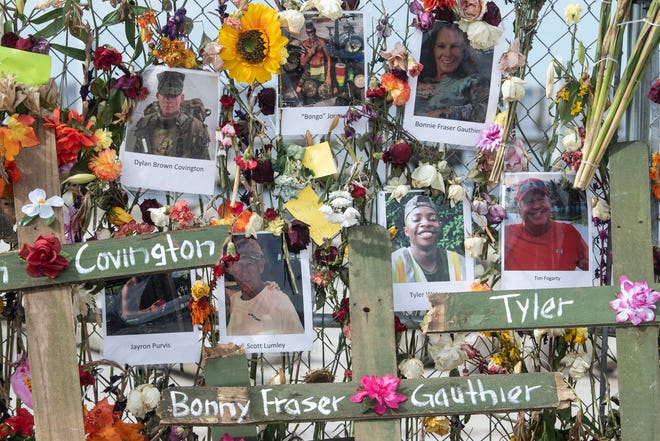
x=451, y=85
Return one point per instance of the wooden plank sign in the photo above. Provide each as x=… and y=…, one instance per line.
x=121, y=257
x=522, y=309
x=330, y=402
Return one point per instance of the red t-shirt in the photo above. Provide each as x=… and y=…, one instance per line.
x=561, y=248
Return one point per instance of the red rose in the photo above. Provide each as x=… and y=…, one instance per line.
x=266, y=100
x=22, y=422
x=297, y=237
x=358, y=191
x=105, y=58
x=271, y=214
x=398, y=154
x=227, y=101
x=492, y=15
x=654, y=92
x=43, y=258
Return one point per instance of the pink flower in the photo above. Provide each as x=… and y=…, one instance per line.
x=382, y=391
x=21, y=382
x=181, y=213
x=490, y=138
x=635, y=302
x=228, y=437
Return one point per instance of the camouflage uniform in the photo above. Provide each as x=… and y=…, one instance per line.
x=182, y=136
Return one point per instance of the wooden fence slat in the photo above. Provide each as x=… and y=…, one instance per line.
x=330, y=402
x=48, y=313
x=372, y=315
x=120, y=257
x=522, y=309
x=637, y=354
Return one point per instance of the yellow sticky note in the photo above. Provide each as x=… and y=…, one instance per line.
x=318, y=158
x=306, y=208
x=30, y=69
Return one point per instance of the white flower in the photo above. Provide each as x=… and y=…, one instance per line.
x=551, y=332
x=398, y=187
x=292, y=20
x=340, y=199
x=41, y=206
x=480, y=206
x=255, y=223
x=572, y=13
x=481, y=34
x=571, y=141
x=447, y=353
x=426, y=175
x=411, y=368
x=142, y=399
x=456, y=192
x=513, y=89
x=550, y=80
x=159, y=216
x=348, y=218
x=577, y=364
x=474, y=246
x=327, y=8
x=600, y=209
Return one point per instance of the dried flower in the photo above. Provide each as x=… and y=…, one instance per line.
x=412, y=368
x=397, y=154
x=142, y=400
x=513, y=89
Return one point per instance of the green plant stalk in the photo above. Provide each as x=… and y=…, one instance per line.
x=612, y=45
x=642, y=52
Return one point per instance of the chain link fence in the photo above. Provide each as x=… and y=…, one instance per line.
x=332, y=347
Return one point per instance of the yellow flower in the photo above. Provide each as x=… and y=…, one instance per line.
x=577, y=108
x=105, y=165
x=438, y=425
x=584, y=91
x=104, y=139
x=119, y=216
x=572, y=13
x=200, y=289
x=500, y=119
x=276, y=226
x=175, y=54
x=562, y=95
x=576, y=335
x=393, y=230
x=253, y=52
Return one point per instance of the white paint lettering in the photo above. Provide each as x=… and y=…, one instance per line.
x=292, y=407
x=523, y=309
x=547, y=308
x=505, y=297
x=187, y=250
x=528, y=389
x=179, y=408
x=309, y=404
x=211, y=248
x=324, y=401
x=513, y=395
x=196, y=407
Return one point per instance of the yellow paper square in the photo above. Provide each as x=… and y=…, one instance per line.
x=306, y=208
x=318, y=158
x=30, y=69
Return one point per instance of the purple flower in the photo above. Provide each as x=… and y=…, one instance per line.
x=416, y=7
x=383, y=28
x=496, y=214
x=490, y=138
x=381, y=391
x=352, y=116
x=21, y=382
x=349, y=131
x=635, y=302
x=423, y=21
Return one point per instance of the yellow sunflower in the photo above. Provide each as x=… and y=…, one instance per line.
x=253, y=52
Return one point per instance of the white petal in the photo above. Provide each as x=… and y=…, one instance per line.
x=55, y=201
x=36, y=195
x=30, y=209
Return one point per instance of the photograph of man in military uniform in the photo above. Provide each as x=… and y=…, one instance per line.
x=171, y=125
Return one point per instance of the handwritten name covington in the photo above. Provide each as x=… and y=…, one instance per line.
x=423, y=397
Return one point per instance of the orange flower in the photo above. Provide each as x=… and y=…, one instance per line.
x=17, y=133
x=397, y=90
x=105, y=165
x=430, y=5
x=202, y=312
x=477, y=286
x=653, y=173
x=656, y=191
x=102, y=424
x=146, y=19
x=71, y=136
x=233, y=216
x=656, y=159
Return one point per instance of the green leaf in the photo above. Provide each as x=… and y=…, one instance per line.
x=48, y=16
x=49, y=221
x=76, y=54
x=66, y=255
x=139, y=49
x=129, y=27
x=25, y=220
x=111, y=19
x=52, y=29
x=580, y=54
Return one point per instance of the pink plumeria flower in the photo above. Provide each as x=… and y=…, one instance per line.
x=382, y=392
x=635, y=302
x=490, y=138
